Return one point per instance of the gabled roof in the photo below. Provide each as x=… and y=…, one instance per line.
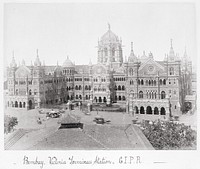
x=150, y=60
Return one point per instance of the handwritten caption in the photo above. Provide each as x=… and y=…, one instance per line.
x=72, y=160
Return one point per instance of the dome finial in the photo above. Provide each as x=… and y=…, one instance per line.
x=13, y=54
x=37, y=53
x=171, y=42
x=108, y=26
x=131, y=46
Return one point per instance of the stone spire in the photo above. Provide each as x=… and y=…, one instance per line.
x=37, y=60
x=13, y=63
x=171, y=52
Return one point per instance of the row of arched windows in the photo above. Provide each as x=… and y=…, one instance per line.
x=87, y=87
x=87, y=97
x=120, y=87
x=152, y=95
x=119, y=79
x=149, y=110
x=119, y=98
x=67, y=71
x=16, y=104
x=99, y=89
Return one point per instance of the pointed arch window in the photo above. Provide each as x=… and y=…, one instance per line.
x=106, y=52
x=171, y=71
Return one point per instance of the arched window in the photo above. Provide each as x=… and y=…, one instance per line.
x=123, y=98
x=171, y=71
x=140, y=94
x=162, y=111
x=162, y=95
x=136, y=110
x=86, y=87
x=120, y=98
x=138, y=81
x=141, y=110
x=130, y=71
x=35, y=91
x=24, y=104
x=147, y=82
x=113, y=52
x=30, y=92
x=119, y=87
x=89, y=88
x=142, y=82
x=76, y=96
x=123, y=88
x=76, y=87
x=80, y=97
x=79, y=87
x=86, y=97
x=106, y=52
x=149, y=110
x=154, y=82
x=160, y=81
x=164, y=82
x=156, y=112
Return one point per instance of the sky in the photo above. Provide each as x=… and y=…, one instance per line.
x=73, y=29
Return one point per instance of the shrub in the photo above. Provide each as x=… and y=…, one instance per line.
x=9, y=123
x=169, y=135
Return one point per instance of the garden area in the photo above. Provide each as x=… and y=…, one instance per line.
x=168, y=135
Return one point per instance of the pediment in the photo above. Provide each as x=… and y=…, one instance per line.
x=120, y=70
x=23, y=71
x=151, y=67
x=99, y=69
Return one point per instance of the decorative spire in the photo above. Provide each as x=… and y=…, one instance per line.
x=37, y=53
x=131, y=46
x=13, y=54
x=108, y=26
x=171, y=43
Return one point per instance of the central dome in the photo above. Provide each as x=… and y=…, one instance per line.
x=109, y=36
x=68, y=63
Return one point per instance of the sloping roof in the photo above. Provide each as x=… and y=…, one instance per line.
x=69, y=119
x=82, y=69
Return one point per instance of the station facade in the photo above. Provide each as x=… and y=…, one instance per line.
x=144, y=86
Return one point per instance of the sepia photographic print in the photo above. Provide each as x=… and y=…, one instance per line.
x=99, y=76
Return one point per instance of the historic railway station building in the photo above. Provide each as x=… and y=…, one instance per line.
x=145, y=86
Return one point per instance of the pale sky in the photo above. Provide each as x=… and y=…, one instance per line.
x=67, y=29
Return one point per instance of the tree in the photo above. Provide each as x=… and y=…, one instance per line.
x=9, y=123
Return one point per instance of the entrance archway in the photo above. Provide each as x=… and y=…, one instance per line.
x=30, y=104
x=149, y=110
